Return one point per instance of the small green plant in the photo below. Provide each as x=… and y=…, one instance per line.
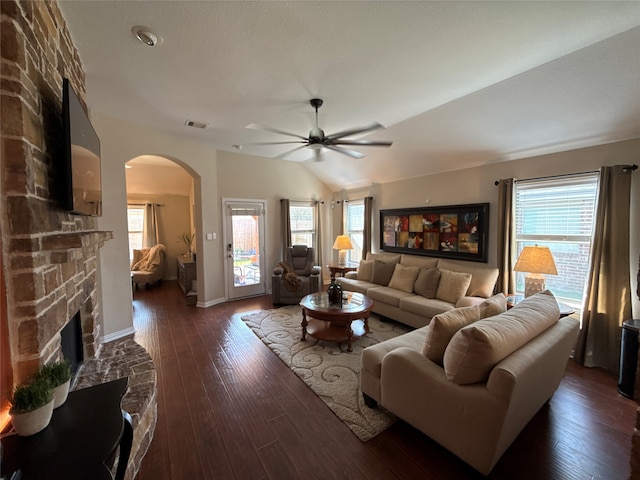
x=55, y=373
x=187, y=238
x=30, y=396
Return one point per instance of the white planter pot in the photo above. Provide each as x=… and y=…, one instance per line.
x=30, y=423
x=60, y=393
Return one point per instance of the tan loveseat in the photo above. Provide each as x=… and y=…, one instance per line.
x=472, y=385
x=411, y=288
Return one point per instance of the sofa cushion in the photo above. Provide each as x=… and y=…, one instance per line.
x=427, y=282
x=404, y=277
x=365, y=269
x=426, y=307
x=384, y=257
x=419, y=261
x=483, y=279
x=387, y=295
x=372, y=356
x=493, y=306
x=452, y=285
x=382, y=272
x=354, y=285
x=475, y=349
x=442, y=327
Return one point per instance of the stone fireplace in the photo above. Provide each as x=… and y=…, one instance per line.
x=50, y=257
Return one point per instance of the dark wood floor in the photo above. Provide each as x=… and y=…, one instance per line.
x=228, y=408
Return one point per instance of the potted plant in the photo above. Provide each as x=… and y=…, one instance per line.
x=31, y=407
x=58, y=376
x=187, y=238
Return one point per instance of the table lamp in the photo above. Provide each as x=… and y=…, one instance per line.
x=342, y=244
x=536, y=261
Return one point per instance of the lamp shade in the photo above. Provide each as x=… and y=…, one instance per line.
x=343, y=242
x=536, y=260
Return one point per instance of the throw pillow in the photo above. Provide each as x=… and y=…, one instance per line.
x=427, y=282
x=382, y=272
x=365, y=269
x=493, y=306
x=452, y=285
x=444, y=326
x=475, y=349
x=404, y=277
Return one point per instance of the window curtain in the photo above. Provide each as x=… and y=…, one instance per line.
x=285, y=223
x=366, y=234
x=150, y=234
x=506, y=236
x=319, y=243
x=607, y=302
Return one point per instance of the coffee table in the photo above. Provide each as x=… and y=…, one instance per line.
x=333, y=323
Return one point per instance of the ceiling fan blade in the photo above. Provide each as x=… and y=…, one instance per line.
x=366, y=143
x=354, y=131
x=351, y=153
x=289, y=152
x=276, y=143
x=264, y=128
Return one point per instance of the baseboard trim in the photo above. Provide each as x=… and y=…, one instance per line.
x=210, y=303
x=117, y=335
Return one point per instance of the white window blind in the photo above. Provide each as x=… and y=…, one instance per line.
x=135, y=221
x=558, y=213
x=354, y=228
x=302, y=216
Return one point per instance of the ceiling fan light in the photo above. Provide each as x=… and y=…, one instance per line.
x=315, y=146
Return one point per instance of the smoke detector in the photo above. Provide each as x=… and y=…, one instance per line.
x=146, y=35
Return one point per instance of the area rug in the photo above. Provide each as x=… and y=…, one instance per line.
x=331, y=372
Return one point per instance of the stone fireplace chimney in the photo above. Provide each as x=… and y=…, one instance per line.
x=50, y=256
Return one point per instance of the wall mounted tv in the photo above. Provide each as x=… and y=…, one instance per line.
x=82, y=183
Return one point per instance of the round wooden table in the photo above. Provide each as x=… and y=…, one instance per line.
x=335, y=323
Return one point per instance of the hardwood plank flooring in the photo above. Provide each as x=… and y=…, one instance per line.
x=228, y=408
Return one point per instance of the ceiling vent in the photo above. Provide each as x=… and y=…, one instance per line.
x=194, y=124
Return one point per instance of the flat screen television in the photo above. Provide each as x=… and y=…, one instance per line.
x=82, y=183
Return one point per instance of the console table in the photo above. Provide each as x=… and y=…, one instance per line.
x=80, y=442
x=186, y=273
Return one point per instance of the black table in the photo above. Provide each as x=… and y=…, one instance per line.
x=80, y=441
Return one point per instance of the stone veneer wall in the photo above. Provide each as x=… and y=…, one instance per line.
x=50, y=256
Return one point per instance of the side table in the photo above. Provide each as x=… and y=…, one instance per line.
x=341, y=269
x=81, y=440
x=565, y=309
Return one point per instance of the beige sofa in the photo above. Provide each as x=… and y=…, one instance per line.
x=411, y=288
x=472, y=385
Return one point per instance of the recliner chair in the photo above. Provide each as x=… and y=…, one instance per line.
x=300, y=259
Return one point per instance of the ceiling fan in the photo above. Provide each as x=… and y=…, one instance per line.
x=317, y=140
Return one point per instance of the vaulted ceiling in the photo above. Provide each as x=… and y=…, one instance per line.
x=456, y=84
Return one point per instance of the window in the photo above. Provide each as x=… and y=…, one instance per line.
x=558, y=213
x=303, y=223
x=354, y=228
x=135, y=220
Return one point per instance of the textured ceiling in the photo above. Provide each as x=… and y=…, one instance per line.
x=457, y=84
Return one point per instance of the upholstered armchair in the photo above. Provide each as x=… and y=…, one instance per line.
x=296, y=276
x=148, y=265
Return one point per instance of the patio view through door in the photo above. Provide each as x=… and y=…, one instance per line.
x=244, y=247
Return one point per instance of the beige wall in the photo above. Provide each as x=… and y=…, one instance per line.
x=220, y=174
x=246, y=176
x=476, y=185
x=173, y=220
